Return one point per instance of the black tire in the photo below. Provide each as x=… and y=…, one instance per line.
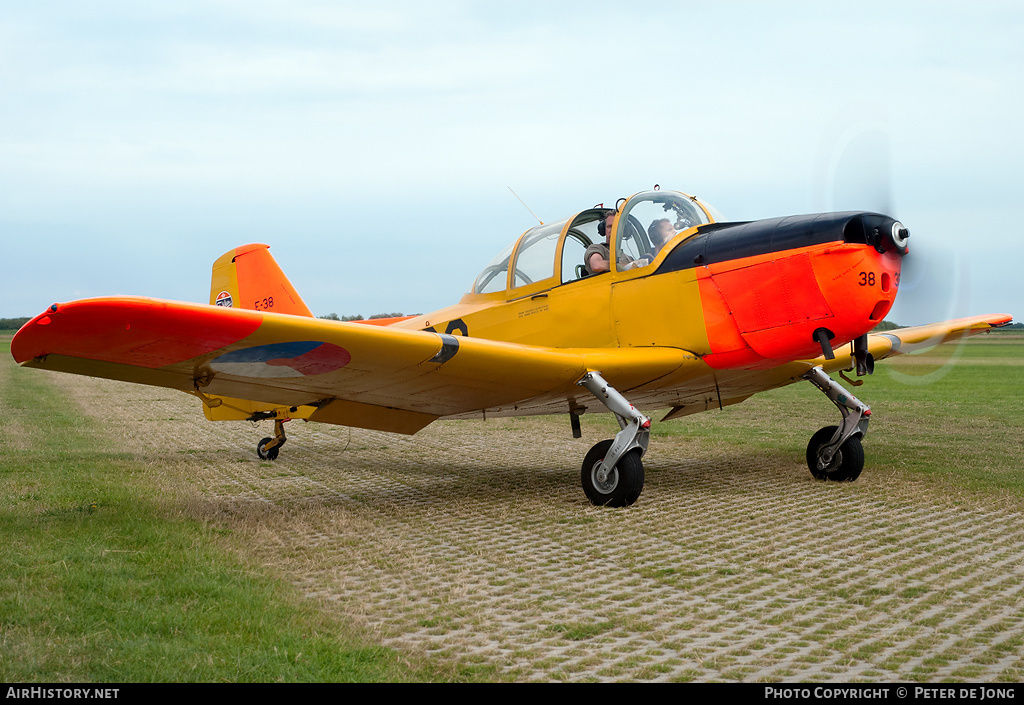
x=846, y=464
x=625, y=483
x=263, y=453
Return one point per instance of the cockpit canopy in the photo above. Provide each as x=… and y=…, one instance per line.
x=562, y=252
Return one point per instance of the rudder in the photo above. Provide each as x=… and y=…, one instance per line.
x=249, y=277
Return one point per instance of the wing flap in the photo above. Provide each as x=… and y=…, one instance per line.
x=378, y=418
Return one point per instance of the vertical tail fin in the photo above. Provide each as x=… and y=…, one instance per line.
x=249, y=277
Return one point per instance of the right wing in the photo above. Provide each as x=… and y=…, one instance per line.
x=346, y=373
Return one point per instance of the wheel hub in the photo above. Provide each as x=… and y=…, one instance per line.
x=832, y=465
x=605, y=480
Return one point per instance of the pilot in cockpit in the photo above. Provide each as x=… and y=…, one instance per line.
x=597, y=257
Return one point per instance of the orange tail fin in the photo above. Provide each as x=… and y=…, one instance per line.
x=249, y=277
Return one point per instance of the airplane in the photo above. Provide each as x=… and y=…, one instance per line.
x=692, y=313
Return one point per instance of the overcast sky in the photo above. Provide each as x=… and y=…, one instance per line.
x=372, y=149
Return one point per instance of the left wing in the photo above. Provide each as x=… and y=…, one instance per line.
x=900, y=341
x=369, y=376
x=731, y=386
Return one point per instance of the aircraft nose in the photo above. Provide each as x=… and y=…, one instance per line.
x=899, y=236
x=883, y=233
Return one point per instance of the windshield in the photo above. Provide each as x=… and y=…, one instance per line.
x=495, y=274
x=649, y=221
x=535, y=258
x=646, y=223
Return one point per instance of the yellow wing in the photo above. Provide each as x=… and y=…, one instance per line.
x=241, y=362
x=731, y=386
x=905, y=340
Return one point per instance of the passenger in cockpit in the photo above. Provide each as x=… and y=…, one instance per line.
x=660, y=232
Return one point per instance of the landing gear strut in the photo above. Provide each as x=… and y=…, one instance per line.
x=269, y=448
x=835, y=452
x=613, y=474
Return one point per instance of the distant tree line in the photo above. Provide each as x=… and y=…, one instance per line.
x=13, y=323
x=889, y=325
x=336, y=317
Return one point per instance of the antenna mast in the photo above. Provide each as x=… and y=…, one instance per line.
x=524, y=205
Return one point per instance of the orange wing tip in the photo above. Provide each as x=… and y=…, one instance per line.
x=383, y=321
x=137, y=331
x=980, y=323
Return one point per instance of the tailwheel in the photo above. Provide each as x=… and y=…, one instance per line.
x=267, y=453
x=618, y=486
x=270, y=447
x=845, y=464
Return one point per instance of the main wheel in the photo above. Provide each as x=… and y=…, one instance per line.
x=623, y=484
x=264, y=452
x=846, y=464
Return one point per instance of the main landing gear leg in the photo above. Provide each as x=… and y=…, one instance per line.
x=612, y=473
x=835, y=452
x=269, y=448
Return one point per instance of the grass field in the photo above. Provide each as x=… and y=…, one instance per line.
x=142, y=543
x=104, y=579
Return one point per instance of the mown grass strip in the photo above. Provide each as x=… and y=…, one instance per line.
x=99, y=583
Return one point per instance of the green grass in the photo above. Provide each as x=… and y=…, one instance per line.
x=581, y=631
x=100, y=581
